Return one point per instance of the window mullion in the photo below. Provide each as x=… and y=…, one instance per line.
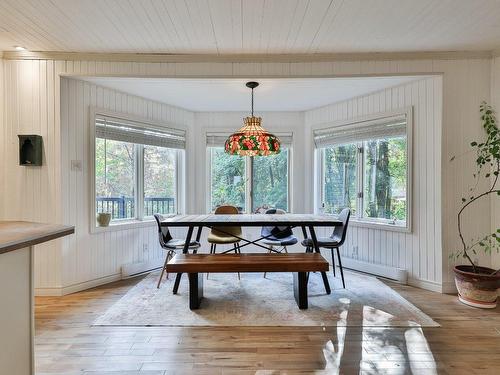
x=249, y=184
x=139, y=182
x=360, y=180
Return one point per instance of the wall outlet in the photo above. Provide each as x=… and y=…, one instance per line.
x=76, y=165
x=354, y=251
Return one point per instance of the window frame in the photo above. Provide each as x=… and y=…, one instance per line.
x=360, y=220
x=139, y=219
x=248, y=180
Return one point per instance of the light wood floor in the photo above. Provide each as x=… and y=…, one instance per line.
x=467, y=343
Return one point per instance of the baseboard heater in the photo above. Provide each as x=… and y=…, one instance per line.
x=393, y=273
x=140, y=268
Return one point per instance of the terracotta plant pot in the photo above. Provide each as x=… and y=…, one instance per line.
x=477, y=289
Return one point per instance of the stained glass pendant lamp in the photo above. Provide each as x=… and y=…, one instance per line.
x=252, y=139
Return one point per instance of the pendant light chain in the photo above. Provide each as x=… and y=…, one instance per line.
x=252, y=101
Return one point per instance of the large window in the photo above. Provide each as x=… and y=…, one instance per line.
x=228, y=179
x=115, y=177
x=136, y=168
x=253, y=184
x=365, y=166
x=269, y=181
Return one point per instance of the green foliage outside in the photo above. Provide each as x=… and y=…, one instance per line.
x=159, y=172
x=340, y=178
x=385, y=178
x=270, y=180
x=115, y=177
x=384, y=181
x=114, y=168
x=228, y=179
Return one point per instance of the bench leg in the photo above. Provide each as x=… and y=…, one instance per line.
x=300, y=289
x=195, y=290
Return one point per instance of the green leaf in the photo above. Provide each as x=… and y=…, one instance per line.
x=473, y=144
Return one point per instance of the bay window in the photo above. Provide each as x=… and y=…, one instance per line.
x=136, y=168
x=253, y=184
x=366, y=166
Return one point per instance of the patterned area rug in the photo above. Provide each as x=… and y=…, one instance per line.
x=258, y=301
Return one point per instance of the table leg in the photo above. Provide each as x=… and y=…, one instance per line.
x=198, y=234
x=300, y=289
x=185, y=250
x=195, y=290
x=316, y=248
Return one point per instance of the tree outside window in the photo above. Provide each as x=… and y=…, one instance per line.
x=259, y=182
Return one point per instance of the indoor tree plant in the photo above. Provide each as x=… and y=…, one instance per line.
x=477, y=286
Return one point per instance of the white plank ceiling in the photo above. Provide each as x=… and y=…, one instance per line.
x=249, y=26
x=231, y=94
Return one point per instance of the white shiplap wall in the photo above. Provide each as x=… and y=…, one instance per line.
x=2, y=129
x=33, y=105
x=33, y=193
x=418, y=252
x=495, y=200
x=87, y=256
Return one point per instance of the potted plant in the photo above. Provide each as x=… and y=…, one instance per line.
x=477, y=286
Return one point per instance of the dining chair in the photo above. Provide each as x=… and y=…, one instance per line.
x=170, y=244
x=279, y=237
x=225, y=235
x=336, y=240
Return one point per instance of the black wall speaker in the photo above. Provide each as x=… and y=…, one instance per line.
x=30, y=150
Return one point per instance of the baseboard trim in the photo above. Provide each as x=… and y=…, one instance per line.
x=48, y=292
x=62, y=291
x=449, y=287
x=140, y=268
x=426, y=284
x=392, y=273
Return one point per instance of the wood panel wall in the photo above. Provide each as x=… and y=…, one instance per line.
x=32, y=104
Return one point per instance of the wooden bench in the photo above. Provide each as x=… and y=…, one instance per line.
x=195, y=264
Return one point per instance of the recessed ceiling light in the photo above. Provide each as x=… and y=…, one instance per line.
x=19, y=48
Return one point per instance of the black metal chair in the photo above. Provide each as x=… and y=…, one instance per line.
x=280, y=237
x=170, y=244
x=334, y=241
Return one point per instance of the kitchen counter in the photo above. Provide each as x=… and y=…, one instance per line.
x=17, y=318
x=18, y=234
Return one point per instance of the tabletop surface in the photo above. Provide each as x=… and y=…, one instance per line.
x=251, y=220
x=18, y=234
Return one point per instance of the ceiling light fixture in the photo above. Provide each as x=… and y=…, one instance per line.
x=19, y=48
x=252, y=139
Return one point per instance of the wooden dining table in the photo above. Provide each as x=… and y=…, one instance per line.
x=304, y=221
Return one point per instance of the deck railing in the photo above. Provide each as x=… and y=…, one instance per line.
x=124, y=207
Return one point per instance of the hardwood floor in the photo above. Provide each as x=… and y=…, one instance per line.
x=467, y=343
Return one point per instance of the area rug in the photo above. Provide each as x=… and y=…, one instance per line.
x=258, y=301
